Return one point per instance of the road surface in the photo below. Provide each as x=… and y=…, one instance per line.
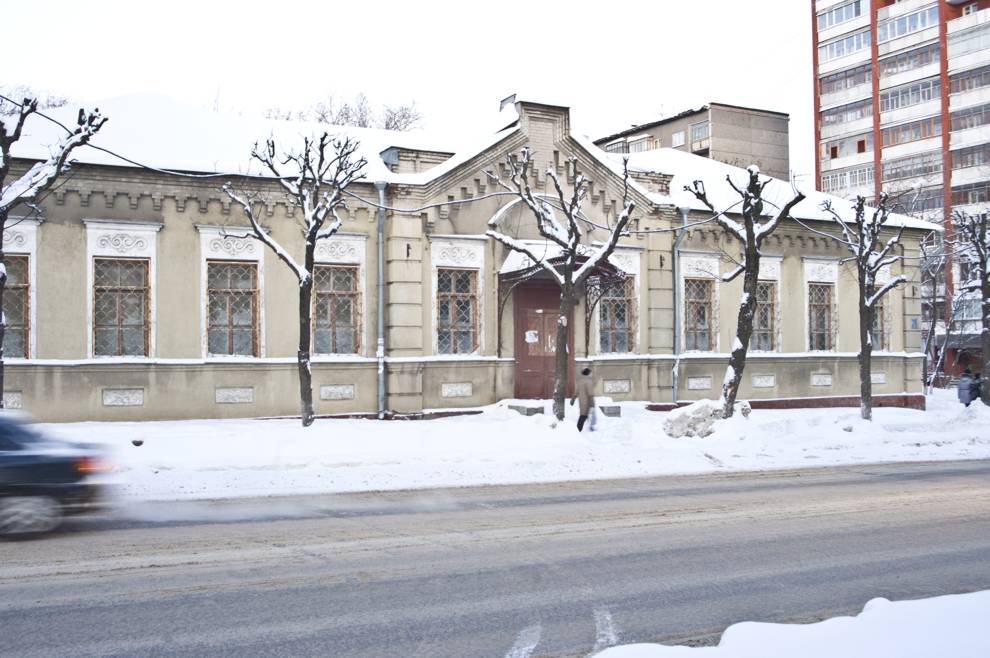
x=507, y=572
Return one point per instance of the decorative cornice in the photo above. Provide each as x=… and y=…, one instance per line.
x=122, y=243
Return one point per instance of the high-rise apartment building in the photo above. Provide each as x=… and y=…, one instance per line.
x=902, y=105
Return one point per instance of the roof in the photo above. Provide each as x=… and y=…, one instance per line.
x=162, y=133
x=687, y=168
x=686, y=113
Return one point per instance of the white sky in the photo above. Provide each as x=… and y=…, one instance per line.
x=614, y=63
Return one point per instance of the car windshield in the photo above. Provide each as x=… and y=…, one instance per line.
x=15, y=435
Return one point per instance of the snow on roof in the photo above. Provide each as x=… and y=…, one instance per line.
x=160, y=132
x=687, y=168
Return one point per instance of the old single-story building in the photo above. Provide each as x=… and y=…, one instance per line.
x=135, y=294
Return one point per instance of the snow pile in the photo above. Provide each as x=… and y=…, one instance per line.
x=696, y=419
x=225, y=458
x=942, y=626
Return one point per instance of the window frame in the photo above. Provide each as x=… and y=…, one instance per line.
x=117, y=292
x=453, y=326
x=26, y=305
x=608, y=333
x=357, y=306
x=770, y=331
x=255, y=291
x=690, y=330
x=828, y=307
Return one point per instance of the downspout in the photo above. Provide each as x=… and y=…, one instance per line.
x=676, y=260
x=380, y=349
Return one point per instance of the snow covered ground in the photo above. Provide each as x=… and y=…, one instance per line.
x=951, y=626
x=226, y=458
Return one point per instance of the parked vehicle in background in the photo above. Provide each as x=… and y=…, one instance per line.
x=42, y=479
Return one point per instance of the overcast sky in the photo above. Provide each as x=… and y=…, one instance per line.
x=614, y=63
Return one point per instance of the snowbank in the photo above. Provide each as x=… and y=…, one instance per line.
x=943, y=626
x=224, y=458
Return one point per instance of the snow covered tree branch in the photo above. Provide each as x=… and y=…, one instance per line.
x=973, y=231
x=569, y=262
x=315, y=180
x=28, y=189
x=863, y=239
x=751, y=233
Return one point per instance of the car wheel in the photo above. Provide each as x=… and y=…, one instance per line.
x=20, y=515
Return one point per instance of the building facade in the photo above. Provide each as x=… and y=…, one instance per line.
x=902, y=105
x=738, y=136
x=136, y=293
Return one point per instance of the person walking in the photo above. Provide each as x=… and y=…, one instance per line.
x=584, y=393
x=964, y=388
x=976, y=387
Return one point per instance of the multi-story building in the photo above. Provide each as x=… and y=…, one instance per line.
x=738, y=136
x=902, y=105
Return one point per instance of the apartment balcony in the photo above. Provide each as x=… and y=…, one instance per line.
x=968, y=61
x=847, y=62
x=857, y=23
x=889, y=82
x=969, y=137
x=857, y=127
x=970, y=175
x=963, y=23
x=900, y=8
x=846, y=96
x=911, y=148
x=908, y=41
x=969, y=99
x=971, y=208
x=902, y=114
x=853, y=160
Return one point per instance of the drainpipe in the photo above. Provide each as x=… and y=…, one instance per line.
x=676, y=260
x=380, y=350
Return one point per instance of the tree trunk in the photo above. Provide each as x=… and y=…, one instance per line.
x=865, y=354
x=744, y=330
x=305, y=338
x=562, y=355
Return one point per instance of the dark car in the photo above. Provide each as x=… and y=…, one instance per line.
x=43, y=479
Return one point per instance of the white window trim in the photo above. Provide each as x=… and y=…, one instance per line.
x=629, y=261
x=20, y=238
x=106, y=238
x=235, y=244
x=821, y=270
x=347, y=249
x=700, y=265
x=463, y=254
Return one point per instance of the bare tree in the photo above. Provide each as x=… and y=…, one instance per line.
x=932, y=266
x=751, y=233
x=400, y=117
x=315, y=180
x=574, y=261
x=358, y=112
x=862, y=239
x=29, y=187
x=45, y=101
x=973, y=234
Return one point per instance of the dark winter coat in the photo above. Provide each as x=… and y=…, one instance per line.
x=974, y=389
x=584, y=391
x=965, y=389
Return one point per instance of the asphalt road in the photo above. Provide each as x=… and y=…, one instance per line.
x=520, y=571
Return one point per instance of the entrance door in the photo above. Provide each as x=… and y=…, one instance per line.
x=536, y=308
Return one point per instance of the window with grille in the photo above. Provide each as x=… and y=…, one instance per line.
x=764, y=319
x=698, y=314
x=616, y=318
x=819, y=316
x=877, y=329
x=232, y=291
x=16, y=307
x=457, y=311
x=120, y=307
x=336, y=316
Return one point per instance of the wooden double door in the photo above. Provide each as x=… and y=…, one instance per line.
x=536, y=309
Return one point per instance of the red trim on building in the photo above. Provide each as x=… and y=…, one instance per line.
x=943, y=69
x=875, y=6
x=816, y=90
